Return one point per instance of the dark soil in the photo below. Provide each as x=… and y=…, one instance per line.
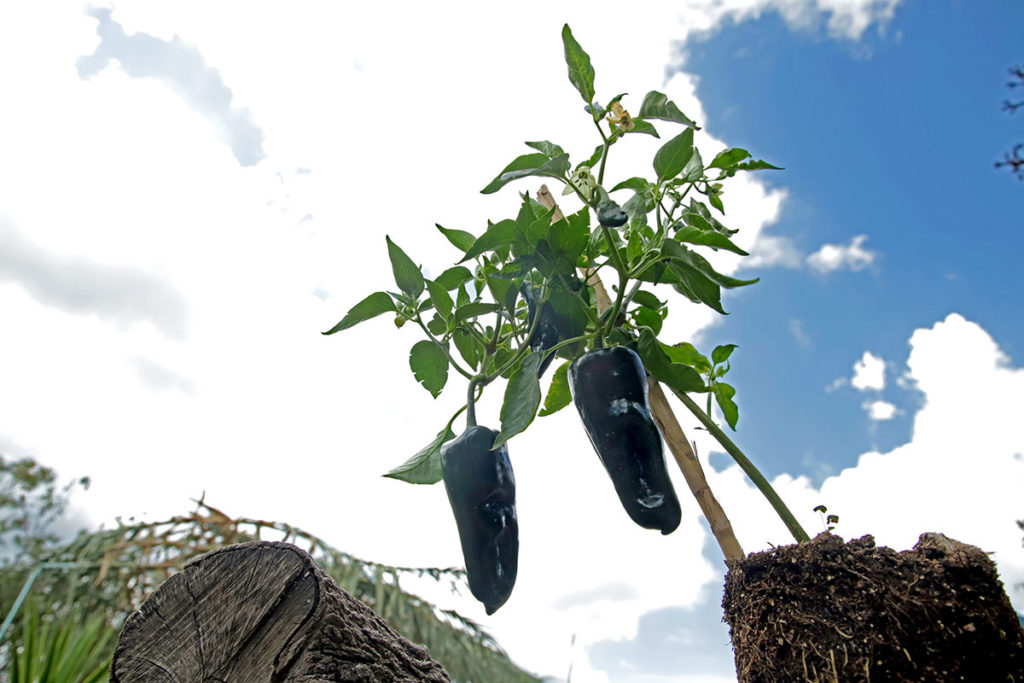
x=829, y=611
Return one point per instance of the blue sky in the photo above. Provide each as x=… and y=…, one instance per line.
x=187, y=200
x=893, y=137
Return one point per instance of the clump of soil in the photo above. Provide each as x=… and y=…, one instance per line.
x=829, y=611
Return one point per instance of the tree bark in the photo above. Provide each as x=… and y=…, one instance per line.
x=262, y=612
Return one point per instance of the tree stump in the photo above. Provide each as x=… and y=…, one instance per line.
x=829, y=611
x=262, y=612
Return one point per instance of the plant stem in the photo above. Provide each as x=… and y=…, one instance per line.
x=525, y=348
x=604, y=151
x=623, y=279
x=748, y=467
x=471, y=403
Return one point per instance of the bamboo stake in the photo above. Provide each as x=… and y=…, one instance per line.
x=671, y=430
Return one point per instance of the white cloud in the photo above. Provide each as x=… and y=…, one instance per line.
x=796, y=328
x=772, y=250
x=182, y=67
x=868, y=373
x=837, y=383
x=844, y=19
x=832, y=257
x=880, y=410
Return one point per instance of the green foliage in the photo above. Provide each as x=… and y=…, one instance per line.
x=115, y=569
x=474, y=320
x=30, y=504
x=72, y=649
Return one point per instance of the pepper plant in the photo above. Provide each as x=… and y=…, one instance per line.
x=527, y=289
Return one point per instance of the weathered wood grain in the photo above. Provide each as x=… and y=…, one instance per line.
x=262, y=612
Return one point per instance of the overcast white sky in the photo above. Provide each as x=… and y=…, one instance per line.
x=190, y=192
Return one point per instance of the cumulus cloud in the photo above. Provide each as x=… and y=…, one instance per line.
x=843, y=19
x=868, y=373
x=880, y=410
x=121, y=294
x=773, y=251
x=796, y=328
x=161, y=378
x=852, y=256
x=184, y=70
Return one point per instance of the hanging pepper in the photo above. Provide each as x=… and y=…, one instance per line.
x=482, y=492
x=546, y=334
x=609, y=388
x=610, y=214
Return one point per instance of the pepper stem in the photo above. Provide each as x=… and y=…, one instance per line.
x=471, y=403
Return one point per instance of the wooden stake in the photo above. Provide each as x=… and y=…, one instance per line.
x=672, y=432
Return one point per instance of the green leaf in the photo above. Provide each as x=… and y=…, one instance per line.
x=468, y=347
x=615, y=99
x=648, y=300
x=530, y=165
x=757, y=166
x=699, y=210
x=658, y=106
x=645, y=317
x=581, y=71
x=646, y=127
x=460, y=238
x=429, y=365
x=549, y=148
x=696, y=287
x=639, y=205
x=461, y=296
x=729, y=157
x=473, y=310
x=673, y=250
x=453, y=277
x=425, y=466
x=440, y=298
x=722, y=353
x=694, y=169
x=559, y=395
x=437, y=325
x=673, y=155
x=370, y=307
x=538, y=230
x=687, y=354
x=715, y=198
x=636, y=184
x=497, y=235
x=707, y=238
x=679, y=377
x=408, y=276
x=522, y=398
x=569, y=237
x=723, y=396
x=595, y=157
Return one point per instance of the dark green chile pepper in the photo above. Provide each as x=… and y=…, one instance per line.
x=546, y=335
x=609, y=387
x=610, y=214
x=482, y=492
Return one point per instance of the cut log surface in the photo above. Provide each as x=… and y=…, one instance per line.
x=262, y=612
